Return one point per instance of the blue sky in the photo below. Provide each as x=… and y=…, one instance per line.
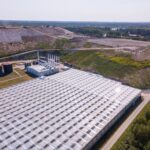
x=76, y=10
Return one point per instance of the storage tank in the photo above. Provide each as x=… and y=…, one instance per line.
x=1, y=70
x=27, y=65
x=35, y=63
x=8, y=68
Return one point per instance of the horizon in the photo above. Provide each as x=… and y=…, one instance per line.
x=76, y=21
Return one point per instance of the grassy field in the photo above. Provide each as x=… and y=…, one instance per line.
x=16, y=77
x=137, y=135
x=115, y=65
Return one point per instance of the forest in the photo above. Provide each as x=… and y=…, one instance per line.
x=100, y=32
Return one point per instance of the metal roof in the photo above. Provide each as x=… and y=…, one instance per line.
x=38, y=68
x=63, y=111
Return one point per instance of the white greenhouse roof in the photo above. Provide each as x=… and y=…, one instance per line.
x=64, y=111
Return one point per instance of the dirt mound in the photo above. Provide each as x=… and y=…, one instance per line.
x=121, y=43
x=10, y=36
x=14, y=39
x=17, y=35
x=54, y=32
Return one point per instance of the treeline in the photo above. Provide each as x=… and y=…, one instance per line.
x=141, y=33
x=131, y=33
x=137, y=137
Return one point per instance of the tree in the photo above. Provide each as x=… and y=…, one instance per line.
x=61, y=43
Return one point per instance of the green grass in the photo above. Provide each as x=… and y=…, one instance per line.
x=118, y=66
x=14, y=82
x=137, y=135
x=13, y=79
x=131, y=62
x=21, y=72
x=9, y=76
x=87, y=45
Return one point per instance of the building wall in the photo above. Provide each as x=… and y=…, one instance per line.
x=33, y=72
x=42, y=73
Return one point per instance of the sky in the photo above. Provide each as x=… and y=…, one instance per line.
x=76, y=10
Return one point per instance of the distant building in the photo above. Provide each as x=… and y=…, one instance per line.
x=105, y=35
x=114, y=29
x=132, y=35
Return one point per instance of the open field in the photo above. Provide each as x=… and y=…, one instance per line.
x=21, y=39
x=137, y=135
x=15, y=77
x=118, y=66
x=129, y=44
x=143, y=54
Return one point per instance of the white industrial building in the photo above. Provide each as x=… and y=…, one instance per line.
x=38, y=70
x=45, y=67
x=70, y=110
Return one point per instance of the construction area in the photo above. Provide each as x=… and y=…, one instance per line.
x=70, y=110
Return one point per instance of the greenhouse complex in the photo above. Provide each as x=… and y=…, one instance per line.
x=70, y=110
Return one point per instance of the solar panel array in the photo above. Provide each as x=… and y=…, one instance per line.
x=64, y=111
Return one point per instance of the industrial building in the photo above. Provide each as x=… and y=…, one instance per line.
x=38, y=70
x=70, y=110
x=45, y=66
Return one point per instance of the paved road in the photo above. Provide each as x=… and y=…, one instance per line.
x=75, y=49
x=26, y=52
x=19, y=54
x=19, y=61
x=113, y=139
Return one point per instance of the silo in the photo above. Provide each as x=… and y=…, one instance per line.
x=29, y=64
x=35, y=62
x=8, y=68
x=1, y=70
x=25, y=66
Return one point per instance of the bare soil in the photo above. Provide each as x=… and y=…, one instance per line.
x=130, y=44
